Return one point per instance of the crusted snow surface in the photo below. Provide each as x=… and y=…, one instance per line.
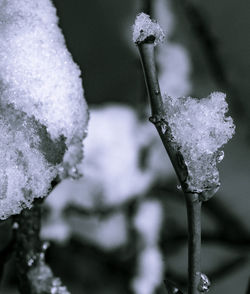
x=41, y=87
x=144, y=27
x=200, y=128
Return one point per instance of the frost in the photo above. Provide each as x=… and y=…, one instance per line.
x=145, y=28
x=200, y=129
x=42, y=109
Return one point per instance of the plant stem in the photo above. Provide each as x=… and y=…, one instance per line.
x=149, y=68
x=34, y=275
x=194, y=242
x=193, y=203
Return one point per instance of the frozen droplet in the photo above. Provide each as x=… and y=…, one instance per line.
x=15, y=226
x=45, y=245
x=178, y=187
x=204, y=283
x=220, y=156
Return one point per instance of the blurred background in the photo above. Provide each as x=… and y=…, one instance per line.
x=122, y=227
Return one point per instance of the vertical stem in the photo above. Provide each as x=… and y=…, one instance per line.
x=28, y=244
x=194, y=242
x=146, y=50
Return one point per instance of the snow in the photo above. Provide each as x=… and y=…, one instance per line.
x=42, y=107
x=200, y=128
x=144, y=28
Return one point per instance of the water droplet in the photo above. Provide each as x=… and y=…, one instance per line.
x=204, y=283
x=178, y=187
x=45, y=246
x=15, y=226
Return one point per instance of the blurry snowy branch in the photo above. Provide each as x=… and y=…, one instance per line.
x=209, y=46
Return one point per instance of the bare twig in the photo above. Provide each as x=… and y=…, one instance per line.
x=34, y=275
x=146, y=49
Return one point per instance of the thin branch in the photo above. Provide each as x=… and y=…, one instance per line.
x=34, y=275
x=194, y=242
x=146, y=49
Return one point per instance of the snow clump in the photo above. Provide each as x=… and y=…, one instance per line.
x=43, y=113
x=200, y=128
x=145, y=28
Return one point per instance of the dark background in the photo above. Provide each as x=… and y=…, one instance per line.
x=97, y=34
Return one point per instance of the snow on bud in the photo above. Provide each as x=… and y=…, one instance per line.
x=144, y=28
x=200, y=128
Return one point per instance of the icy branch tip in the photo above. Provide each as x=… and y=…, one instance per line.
x=146, y=30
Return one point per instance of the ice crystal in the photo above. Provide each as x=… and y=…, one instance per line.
x=199, y=128
x=145, y=28
x=42, y=109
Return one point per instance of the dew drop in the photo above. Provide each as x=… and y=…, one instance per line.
x=204, y=283
x=178, y=187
